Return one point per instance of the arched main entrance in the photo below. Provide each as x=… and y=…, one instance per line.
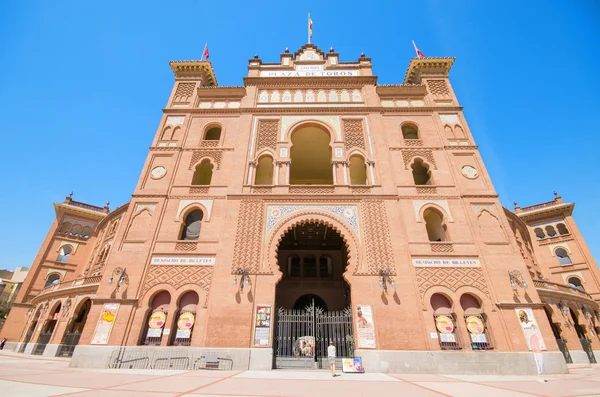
x=312, y=297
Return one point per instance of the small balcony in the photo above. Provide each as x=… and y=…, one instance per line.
x=547, y=288
x=83, y=284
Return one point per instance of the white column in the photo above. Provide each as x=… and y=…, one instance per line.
x=371, y=166
x=345, y=168
x=334, y=166
x=251, y=168
x=276, y=181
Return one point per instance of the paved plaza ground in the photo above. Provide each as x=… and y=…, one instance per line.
x=38, y=376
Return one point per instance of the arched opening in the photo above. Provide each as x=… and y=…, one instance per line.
x=185, y=319
x=213, y=134
x=76, y=231
x=73, y=333
x=156, y=319
x=445, y=322
x=31, y=329
x=358, y=170
x=434, y=223
x=410, y=131
x=421, y=173
x=47, y=331
x=312, y=297
x=311, y=157
x=563, y=257
x=539, y=233
x=550, y=231
x=192, y=225
x=575, y=283
x=264, y=171
x=203, y=173
x=562, y=344
x=308, y=300
x=476, y=323
x=65, y=228
x=562, y=229
x=64, y=253
x=52, y=279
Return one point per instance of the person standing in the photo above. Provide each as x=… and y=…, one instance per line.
x=331, y=356
x=2, y=343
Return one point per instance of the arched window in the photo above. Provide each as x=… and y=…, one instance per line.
x=311, y=157
x=193, y=223
x=358, y=171
x=410, y=131
x=539, y=233
x=575, y=283
x=203, y=173
x=85, y=233
x=264, y=171
x=310, y=266
x=434, y=223
x=421, y=173
x=445, y=322
x=563, y=257
x=52, y=279
x=294, y=267
x=550, y=231
x=213, y=134
x=156, y=319
x=476, y=322
x=562, y=229
x=65, y=228
x=325, y=266
x=76, y=231
x=64, y=253
x=185, y=319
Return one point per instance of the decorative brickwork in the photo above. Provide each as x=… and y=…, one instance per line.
x=248, y=236
x=426, y=190
x=413, y=142
x=450, y=277
x=199, y=190
x=361, y=190
x=353, y=134
x=177, y=276
x=267, y=134
x=409, y=154
x=209, y=143
x=262, y=190
x=439, y=88
x=377, y=237
x=312, y=190
x=184, y=92
x=215, y=154
x=442, y=247
x=186, y=246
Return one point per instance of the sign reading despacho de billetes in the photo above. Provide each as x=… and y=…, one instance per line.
x=446, y=262
x=183, y=260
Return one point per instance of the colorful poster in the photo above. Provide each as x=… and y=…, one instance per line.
x=533, y=336
x=185, y=321
x=353, y=365
x=105, y=324
x=365, y=327
x=262, y=325
x=157, y=320
x=444, y=324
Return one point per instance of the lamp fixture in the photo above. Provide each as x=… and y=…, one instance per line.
x=123, y=277
x=516, y=278
x=385, y=278
x=244, y=278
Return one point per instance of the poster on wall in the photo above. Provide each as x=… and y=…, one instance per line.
x=353, y=365
x=155, y=324
x=105, y=324
x=262, y=325
x=365, y=327
x=476, y=328
x=184, y=325
x=445, y=326
x=533, y=336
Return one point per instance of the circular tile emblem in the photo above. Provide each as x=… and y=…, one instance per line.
x=275, y=213
x=158, y=172
x=469, y=172
x=348, y=213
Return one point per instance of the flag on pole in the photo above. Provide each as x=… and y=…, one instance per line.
x=309, y=28
x=420, y=55
x=205, y=54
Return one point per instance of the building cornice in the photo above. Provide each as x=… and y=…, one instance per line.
x=417, y=66
x=553, y=209
x=221, y=92
x=194, y=69
x=324, y=109
x=79, y=211
x=337, y=81
x=401, y=90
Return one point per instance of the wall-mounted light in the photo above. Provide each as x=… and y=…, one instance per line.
x=244, y=278
x=122, y=274
x=515, y=279
x=385, y=278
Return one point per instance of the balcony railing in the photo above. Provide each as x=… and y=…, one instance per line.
x=561, y=288
x=71, y=283
x=538, y=206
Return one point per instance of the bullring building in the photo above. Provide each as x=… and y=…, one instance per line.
x=312, y=204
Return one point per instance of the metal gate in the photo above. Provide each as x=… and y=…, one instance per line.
x=587, y=347
x=70, y=341
x=42, y=342
x=562, y=345
x=302, y=336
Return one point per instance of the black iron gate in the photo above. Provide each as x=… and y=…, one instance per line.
x=587, y=347
x=42, y=342
x=302, y=337
x=562, y=345
x=69, y=342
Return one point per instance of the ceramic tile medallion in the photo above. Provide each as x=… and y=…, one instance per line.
x=344, y=213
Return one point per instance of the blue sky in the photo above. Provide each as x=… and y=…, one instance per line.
x=82, y=85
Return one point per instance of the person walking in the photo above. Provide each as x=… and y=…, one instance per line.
x=331, y=356
x=2, y=343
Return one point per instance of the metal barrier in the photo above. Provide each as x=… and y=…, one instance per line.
x=180, y=359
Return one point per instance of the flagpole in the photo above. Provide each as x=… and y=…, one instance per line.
x=204, y=51
x=416, y=52
x=309, y=28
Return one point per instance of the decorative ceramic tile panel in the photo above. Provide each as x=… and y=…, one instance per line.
x=346, y=213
